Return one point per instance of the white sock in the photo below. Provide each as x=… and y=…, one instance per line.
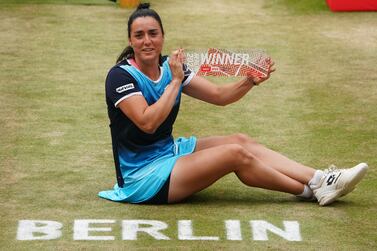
x=307, y=193
x=316, y=178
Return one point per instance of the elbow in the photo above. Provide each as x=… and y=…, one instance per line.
x=222, y=103
x=224, y=100
x=148, y=128
x=221, y=98
x=218, y=99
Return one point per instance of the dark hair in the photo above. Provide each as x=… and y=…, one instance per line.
x=141, y=11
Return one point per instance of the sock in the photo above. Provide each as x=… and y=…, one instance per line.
x=307, y=193
x=316, y=178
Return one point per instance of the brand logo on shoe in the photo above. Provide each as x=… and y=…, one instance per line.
x=332, y=179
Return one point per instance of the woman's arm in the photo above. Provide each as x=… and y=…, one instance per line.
x=149, y=117
x=207, y=91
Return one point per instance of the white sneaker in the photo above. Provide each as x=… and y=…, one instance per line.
x=337, y=182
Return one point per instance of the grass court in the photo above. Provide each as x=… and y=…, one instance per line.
x=319, y=108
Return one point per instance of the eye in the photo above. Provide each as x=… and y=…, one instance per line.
x=153, y=33
x=138, y=35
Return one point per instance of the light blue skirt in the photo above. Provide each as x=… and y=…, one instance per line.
x=140, y=190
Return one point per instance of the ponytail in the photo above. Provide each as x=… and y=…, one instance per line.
x=128, y=52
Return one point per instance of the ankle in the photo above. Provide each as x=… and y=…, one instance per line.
x=316, y=178
x=307, y=193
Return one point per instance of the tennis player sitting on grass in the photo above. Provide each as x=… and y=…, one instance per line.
x=143, y=93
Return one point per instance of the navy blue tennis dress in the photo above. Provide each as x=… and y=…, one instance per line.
x=143, y=161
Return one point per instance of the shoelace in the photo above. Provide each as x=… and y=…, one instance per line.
x=332, y=168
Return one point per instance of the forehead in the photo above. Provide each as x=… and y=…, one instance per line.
x=144, y=24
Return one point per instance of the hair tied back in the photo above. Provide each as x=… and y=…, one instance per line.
x=143, y=6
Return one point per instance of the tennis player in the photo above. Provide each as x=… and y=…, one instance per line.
x=143, y=95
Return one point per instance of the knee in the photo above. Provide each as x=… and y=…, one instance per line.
x=240, y=155
x=242, y=139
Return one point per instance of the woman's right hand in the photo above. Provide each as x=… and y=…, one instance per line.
x=176, y=65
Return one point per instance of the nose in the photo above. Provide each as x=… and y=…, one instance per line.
x=147, y=39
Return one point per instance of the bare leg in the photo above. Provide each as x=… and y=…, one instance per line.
x=271, y=158
x=194, y=172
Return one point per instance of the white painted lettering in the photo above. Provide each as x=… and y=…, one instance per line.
x=132, y=227
x=185, y=232
x=291, y=230
x=81, y=229
x=233, y=230
x=92, y=229
x=38, y=230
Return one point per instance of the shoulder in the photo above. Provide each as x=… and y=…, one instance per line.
x=117, y=71
x=120, y=84
x=118, y=75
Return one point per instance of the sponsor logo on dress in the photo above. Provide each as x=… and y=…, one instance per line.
x=124, y=88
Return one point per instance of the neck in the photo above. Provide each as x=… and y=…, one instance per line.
x=150, y=68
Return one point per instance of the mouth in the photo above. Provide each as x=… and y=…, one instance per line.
x=147, y=49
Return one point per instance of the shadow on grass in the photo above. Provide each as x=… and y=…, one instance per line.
x=286, y=200
x=229, y=199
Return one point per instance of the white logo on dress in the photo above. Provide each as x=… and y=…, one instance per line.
x=124, y=88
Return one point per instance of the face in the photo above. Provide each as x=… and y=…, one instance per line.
x=146, y=39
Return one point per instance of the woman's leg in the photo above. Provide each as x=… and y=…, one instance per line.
x=194, y=172
x=271, y=158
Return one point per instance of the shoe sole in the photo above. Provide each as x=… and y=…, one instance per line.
x=331, y=197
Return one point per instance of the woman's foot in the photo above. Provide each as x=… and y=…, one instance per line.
x=335, y=183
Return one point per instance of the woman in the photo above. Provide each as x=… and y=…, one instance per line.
x=143, y=92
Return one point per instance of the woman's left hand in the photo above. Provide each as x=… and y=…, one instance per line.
x=257, y=80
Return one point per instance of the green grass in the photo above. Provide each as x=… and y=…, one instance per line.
x=298, y=7
x=319, y=108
